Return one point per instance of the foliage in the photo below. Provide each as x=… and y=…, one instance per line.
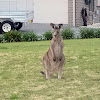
x=67, y=33
x=47, y=35
x=89, y=33
x=1, y=39
x=39, y=38
x=25, y=36
x=33, y=36
x=29, y=36
x=97, y=33
x=14, y=97
x=12, y=36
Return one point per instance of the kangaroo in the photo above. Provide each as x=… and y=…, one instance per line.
x=54, y=59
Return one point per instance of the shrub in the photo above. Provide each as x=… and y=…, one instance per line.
x=33, y=36
x=25, y=37
x=39, y=38
x=1, y=39
x=12, y=36
x=67, y=33
x=97, y=33
x=87, y=33
x=47, y=35
x=29, y=36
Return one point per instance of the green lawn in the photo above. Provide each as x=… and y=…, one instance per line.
x=21, y=63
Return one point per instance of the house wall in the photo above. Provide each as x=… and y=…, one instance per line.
x=93, y=16
x=97, y=12
x=97, y=15
x=79, y=5
x=51, y=11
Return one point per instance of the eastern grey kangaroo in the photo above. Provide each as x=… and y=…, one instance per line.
x=54, y=59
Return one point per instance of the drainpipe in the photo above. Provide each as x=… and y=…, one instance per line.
x=74, y=12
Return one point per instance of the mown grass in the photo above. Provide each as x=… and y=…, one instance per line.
x=21, y=63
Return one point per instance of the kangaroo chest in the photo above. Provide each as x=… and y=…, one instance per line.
x=57, y=49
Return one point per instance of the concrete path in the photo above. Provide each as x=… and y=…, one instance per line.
x=96, y=25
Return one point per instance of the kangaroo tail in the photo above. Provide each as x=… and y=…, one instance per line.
x=42, y=72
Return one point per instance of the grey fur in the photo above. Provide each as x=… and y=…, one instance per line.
x=54, y=59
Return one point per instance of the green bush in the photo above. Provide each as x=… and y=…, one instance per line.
x=87, y=33
x=39, y=38
x=33, y=36
x=97, y=33
x=1, y=39
x=67, y=33
x=47, y=35
x=25, y=37
x=12, y=36
x=29, y=36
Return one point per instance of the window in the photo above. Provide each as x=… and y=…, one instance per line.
x=91, y=6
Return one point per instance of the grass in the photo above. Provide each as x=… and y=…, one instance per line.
x=21, y=63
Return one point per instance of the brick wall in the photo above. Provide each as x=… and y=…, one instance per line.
x=79, y=5
x=93, y=16
x=70, y=12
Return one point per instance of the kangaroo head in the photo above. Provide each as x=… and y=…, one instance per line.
x=56, y=29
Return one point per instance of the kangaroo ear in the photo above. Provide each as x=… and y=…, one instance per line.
x=52, y=25
x=60, y=26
